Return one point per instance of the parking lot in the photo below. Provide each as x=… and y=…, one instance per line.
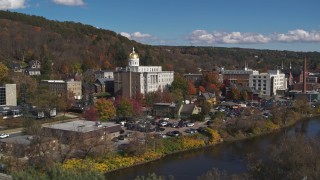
x=159, y=128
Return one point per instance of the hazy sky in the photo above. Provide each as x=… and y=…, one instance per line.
x=262, y=24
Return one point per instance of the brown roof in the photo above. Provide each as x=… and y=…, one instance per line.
x=187, y=108
x=113, y=129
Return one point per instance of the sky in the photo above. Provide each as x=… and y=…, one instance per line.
x=260, y=24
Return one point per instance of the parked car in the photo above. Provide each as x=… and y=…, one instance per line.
x=159, y=129
x=190, y=124
x=121, y=137
x=160, y=135
x=174, y=125
x=182, y=124
x=4, y=136
x=191, y=131
x=163, y=123
x=174, y=133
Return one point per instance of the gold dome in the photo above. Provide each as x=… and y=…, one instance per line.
x=133, y=55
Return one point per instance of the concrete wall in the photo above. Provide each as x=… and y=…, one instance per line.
x=11, y=94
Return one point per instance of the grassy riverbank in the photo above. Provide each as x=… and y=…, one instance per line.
x=157, y=148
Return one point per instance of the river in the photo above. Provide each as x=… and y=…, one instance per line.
x=230, y=157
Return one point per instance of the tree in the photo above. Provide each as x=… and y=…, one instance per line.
x=3, y=71
x=202, y=89
x=301, y=104
x=137, y=104
x=90, y=114
x=124, y=107
x=235, y=94
x=295, y=157
x=179, y=82
x=56, y=172
x=244, y=95
x=191, y=89
x=205, y=107
x=105, y=109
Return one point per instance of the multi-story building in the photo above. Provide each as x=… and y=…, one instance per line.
x=60, y=87
x=106, y=74
x=8, y=95
x=140, y=79
x=240, y=77
x=268, y=83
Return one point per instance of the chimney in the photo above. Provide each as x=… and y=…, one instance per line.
x=304, y=76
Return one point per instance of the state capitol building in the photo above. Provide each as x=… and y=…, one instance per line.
x=135, y=79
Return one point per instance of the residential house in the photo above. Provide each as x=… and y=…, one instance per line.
x=33, y=68
x=184, y=111
x=207, y=96
x=16, y=67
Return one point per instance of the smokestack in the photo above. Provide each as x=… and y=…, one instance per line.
x=304, y=76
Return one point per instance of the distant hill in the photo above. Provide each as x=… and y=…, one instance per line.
x=72, y=47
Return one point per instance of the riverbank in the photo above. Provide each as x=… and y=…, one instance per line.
x=164, y=147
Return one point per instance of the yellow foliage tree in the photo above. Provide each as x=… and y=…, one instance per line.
x=105, y=109
x=3, y=71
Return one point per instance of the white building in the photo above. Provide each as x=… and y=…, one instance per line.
x=140, y=79
x=8, y=95
x=268, y=83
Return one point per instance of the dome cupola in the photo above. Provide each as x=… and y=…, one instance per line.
x=133, y=58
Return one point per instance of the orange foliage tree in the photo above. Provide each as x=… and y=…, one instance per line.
x=191, y=89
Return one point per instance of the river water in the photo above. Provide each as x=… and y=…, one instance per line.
x=230, y=157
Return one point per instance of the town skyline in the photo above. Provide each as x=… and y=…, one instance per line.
x=285, y=25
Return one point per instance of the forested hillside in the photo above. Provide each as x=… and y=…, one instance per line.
x=73, y=47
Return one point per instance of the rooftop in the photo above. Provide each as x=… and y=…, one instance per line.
x=81, y=126
x=22, y=140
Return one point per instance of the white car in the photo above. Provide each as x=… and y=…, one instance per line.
x=4, y=136
x=190, y=124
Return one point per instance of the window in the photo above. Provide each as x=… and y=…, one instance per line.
x=2, y=96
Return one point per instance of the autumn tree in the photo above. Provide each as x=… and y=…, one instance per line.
x=301, y=104
x=244, y=95
x=235, y=94
x=202, y=89
x=105, y=109
x=90, y=114
x=44, y=99
x=137, y=103
x=191, y=89
x=295, y=157
x=3, y=71
x=124, y=107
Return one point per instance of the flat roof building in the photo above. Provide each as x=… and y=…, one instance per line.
x=83, y=130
